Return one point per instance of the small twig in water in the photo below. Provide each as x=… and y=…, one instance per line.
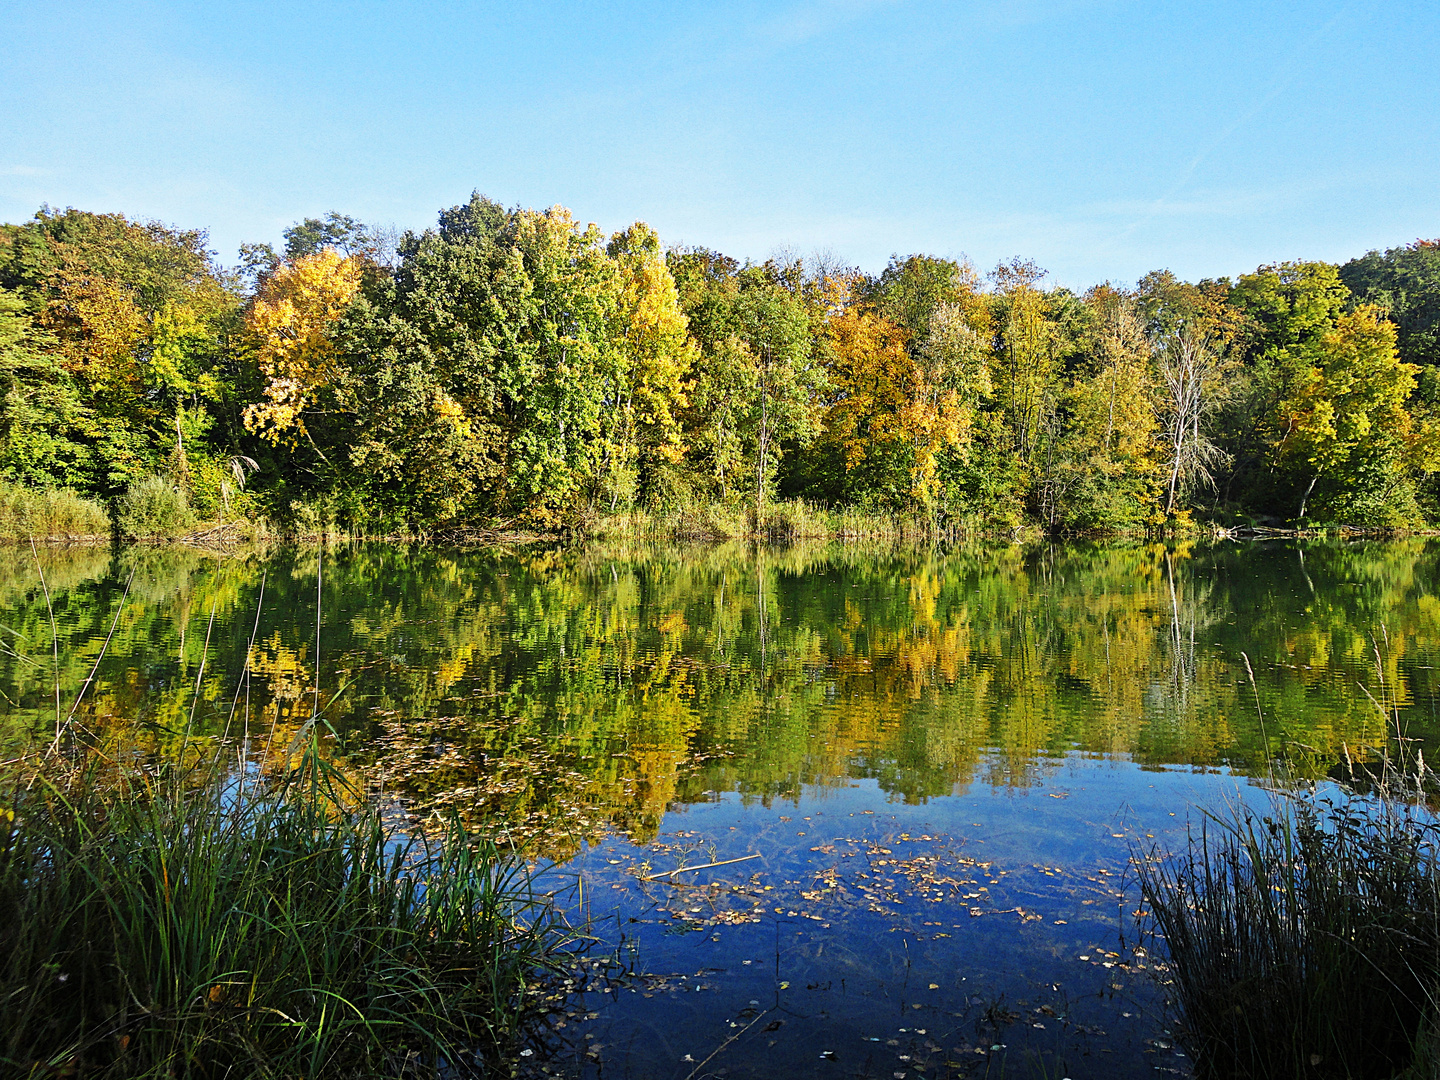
x=96, y=667
x=726, y=1043
x=1259, y=712
x=199, y=678
x=319, y=568
x=702, y=866
x=243, y=681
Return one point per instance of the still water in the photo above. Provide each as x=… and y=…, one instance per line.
x=927, y=772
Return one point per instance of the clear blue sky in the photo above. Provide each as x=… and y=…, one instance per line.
x=1102, y=139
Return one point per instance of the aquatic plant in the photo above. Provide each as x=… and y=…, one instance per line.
x=787, y=520
x=1304, y=940
x=182, y=921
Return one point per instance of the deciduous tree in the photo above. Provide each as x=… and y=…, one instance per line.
x=291, y=322
x=1346, y=415
x=656, y=357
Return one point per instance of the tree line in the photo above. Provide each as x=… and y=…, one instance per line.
x=515, y=367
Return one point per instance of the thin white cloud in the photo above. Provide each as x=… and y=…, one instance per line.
x=806, y=22
x=1284, y=77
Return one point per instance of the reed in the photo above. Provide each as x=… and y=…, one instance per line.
x=153, y=508
x=174, y=922
x=784, y=521
x=1303, y=942
x=1304, y=938
x=48, y=513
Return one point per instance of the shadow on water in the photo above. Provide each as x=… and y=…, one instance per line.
x=944, y=759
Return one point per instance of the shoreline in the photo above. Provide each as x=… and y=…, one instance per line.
x=230, y=536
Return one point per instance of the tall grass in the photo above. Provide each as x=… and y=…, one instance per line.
x=175, y=923
x=49, y=512
x=153, y=507
x=1304, y=939
x=787, y=520
x=1303, y=942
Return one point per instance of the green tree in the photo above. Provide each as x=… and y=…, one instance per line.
x=1026, y=368
x=757, y=381
x=1287, y=308
x=1345, y=419
x=336, y=231
x=1404, y=282
x=909, y=291
x=772, y=328
x=473, y=379
x=141, y=321
x=42, y=420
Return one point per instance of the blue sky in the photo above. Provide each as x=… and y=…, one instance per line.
x=1102, y=139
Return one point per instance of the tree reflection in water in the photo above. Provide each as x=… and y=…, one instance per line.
x=572, y=691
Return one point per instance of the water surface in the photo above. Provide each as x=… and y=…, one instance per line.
x=942, y=761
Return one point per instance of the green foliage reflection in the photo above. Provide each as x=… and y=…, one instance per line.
x=570, y=691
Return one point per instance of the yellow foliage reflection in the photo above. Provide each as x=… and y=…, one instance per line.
x=564, y=693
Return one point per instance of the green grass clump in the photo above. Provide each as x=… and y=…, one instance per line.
x=687, y=520
x=49, y=512
x=153, y=925
x=153, y=507
x=784, y=521
x=1304, y=942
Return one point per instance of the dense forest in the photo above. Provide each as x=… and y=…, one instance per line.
x=512, y=368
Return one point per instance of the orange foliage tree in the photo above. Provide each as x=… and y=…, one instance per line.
x=895, y=408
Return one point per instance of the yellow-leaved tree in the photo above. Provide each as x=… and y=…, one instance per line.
x=871, y=376
x=896, y=409
x=1347, y=415
x=290, y=324
x=1112, y=446
x=656, y=359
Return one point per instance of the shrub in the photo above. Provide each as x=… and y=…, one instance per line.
x=209, y=487
x=153, y=507
x=792, y=519
x=46, y=512
x=341, y=514
x=706, y=521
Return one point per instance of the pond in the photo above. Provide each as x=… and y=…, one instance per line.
x=926, y=772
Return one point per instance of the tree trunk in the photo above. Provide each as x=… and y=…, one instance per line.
x=1174, y=479
x=762, y=446
x=1305, y=499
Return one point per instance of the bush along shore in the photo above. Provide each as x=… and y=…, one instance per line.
x=156, y=510
x=202, y=922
